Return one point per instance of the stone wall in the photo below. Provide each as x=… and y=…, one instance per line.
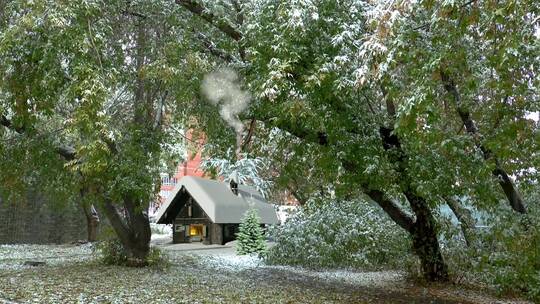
x=35, y=221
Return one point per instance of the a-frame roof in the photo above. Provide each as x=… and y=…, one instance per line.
x=217, y=200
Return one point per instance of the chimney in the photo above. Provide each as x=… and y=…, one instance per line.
x=234, y=183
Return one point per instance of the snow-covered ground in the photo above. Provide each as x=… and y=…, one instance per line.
x=14, y=256
x=200, y=274
x=225, y=257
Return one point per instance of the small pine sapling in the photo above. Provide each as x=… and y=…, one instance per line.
x=250, y=235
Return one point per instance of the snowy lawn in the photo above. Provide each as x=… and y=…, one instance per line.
x=72, y=275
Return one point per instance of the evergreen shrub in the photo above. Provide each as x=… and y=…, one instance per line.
x=250, y=236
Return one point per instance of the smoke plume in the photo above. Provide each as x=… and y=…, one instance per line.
x=222, y=89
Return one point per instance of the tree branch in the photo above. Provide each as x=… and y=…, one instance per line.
x=316, y=137
x=110, y=144
x=116, y=220
x=198, y=9
x=390, y=106
x=239, y=22
x=465, y=218
x=251, y=131
x=510, y=190
x=8, y=124
x=158, y=119
x=66, y=152
x=134, y=14
x=213, y=49
x=399, y=216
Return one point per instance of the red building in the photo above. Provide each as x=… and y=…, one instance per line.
x=190, y=167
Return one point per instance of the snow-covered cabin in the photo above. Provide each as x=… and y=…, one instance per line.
x=210, y=211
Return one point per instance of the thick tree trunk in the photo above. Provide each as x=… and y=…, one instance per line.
x=133, y=230
x=424, y=229
x=140, y=229
x=91, y=215
x=92, y=222
x=425, y=241
x=467, y=222
x=508, y=186
x=138, y=249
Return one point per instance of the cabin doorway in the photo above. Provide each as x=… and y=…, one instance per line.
x=197, y=232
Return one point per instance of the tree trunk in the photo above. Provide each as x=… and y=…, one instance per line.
x=508, y=186
x=425, y=241
x=131, y=223
x=140, y=229
x=467, y=222
x=138, y=249
x=135, y=236
x=92, y=222
x=424, y=229
x=91, y=215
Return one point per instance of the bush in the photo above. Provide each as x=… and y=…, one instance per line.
x=250, y=235
x=508, y=257
x=157, y=257
x=110, y=251
x=337, y=235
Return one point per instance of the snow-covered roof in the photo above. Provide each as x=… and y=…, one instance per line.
x=217, y=200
